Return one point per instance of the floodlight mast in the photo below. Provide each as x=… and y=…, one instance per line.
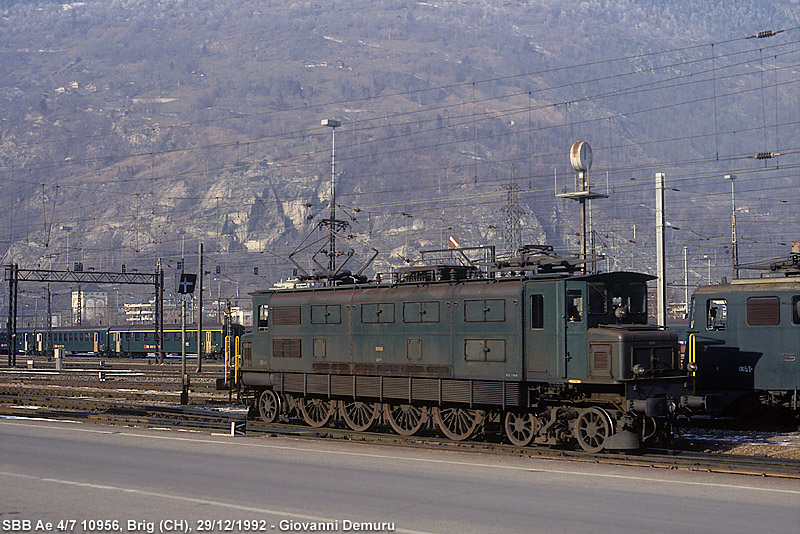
x=332, y=124
x=581, y=159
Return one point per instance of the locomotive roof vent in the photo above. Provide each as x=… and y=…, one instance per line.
x=541, y=259
x=437, y=273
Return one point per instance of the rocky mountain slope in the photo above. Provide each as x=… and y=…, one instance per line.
x=135, y=128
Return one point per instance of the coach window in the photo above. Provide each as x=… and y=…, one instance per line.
x=575, y=305
x=263, y=316
x=137, y=336
x=796, y=309
x=537, y=311
x=716, y=314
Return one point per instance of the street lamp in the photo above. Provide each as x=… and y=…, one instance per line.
x=734, y=245
x=332, y=124
x=67, y=229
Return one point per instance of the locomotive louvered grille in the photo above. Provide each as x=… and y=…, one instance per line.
x=342, y=385
x=514, y=395
x=487, y=392
x=293, y=382
x=317, y=384
x=426, y=389
x=600, y=360
x=368, y=386
x=247, y=353
x=763, y=311
x=286, y=315
x=395, y=388
x=286, y=348
x=455, y=391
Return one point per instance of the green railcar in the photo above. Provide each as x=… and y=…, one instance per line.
x=141, y=340
x=74, y=340
x=552, y=358
x=744, y=339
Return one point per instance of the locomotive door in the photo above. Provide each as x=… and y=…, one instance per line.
x=576, y=349
x=543, y=329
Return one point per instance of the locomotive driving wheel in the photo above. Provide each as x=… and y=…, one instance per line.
x=457, y=423
x=521, y=428
x=406, y=419
x=269, y=406
x=592, y=427
x=316, y=412
x=360, y=416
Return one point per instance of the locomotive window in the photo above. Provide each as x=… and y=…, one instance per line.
x=263, y=316
x=598, y=298
x=637, y=295
x=796, y=309
x=537, y=311
x=763, y=311
x=575, y=305
x=716, y=314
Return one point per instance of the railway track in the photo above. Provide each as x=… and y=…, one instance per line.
x=49, y=404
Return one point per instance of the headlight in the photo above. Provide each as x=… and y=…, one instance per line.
x=638, y=369
x=691, y=367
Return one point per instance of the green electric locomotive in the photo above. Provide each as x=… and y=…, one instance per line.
x=552, y=358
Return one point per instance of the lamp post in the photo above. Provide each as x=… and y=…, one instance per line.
x=734, y=245
x=67, y=229
x=332, y=124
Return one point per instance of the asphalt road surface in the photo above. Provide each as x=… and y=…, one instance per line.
x=88, y=478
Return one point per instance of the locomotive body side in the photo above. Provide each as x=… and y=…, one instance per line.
x=552, y=358
x=745, y=341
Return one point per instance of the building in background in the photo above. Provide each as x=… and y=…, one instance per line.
x=89, y=305
x=242, y=316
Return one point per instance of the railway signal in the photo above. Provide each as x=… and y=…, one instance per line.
x=187, y=283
